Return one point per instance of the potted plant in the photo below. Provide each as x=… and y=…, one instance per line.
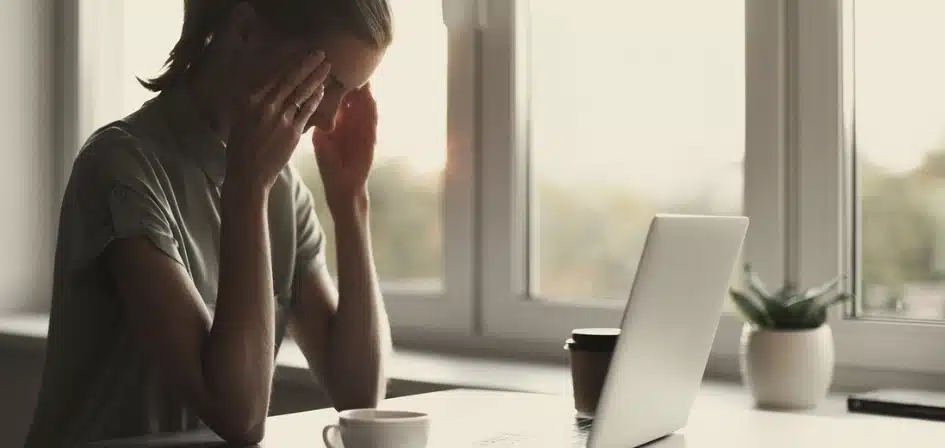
x=787, y=350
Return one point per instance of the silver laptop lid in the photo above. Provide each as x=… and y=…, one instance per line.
x=668, y=328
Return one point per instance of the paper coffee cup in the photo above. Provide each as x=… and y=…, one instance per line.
x=590, y=352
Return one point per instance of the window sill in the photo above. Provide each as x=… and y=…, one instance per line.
x=426, y=371
x=27, y=332
x=429, y=368
x=23, y=331
x=450, y=371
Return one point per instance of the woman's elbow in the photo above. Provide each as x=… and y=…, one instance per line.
x=241, y=436
x=240, y=431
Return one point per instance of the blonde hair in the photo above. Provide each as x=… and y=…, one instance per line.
x=368, y=20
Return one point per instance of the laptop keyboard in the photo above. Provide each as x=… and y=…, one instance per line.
x=579, y=435
x=507, y=439
x=579, y=438
x=582, y=430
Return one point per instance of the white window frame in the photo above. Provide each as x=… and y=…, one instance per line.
x=824, y=178
x=91, y=58
x=508, y=311
x=451, y=312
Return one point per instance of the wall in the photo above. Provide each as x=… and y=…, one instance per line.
x=27, y=198
x=27, y=135
x=20, y=371
x=27, y=83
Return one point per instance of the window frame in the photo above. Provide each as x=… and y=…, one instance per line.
x=508, y=311
x=451, y=312
x=91, y=63
x=826, y=236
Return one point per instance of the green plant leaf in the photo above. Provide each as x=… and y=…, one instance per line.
x=815, y=292
x=815, y=319
x=821, y=306
x=788, y=308
x=751, y=310
x=823, y=289
x=755, y=283
x=798, y=300
x=798, y=305
x=785, y=293
x=842, y=297
x=778, y=312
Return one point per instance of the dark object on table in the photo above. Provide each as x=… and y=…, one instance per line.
x=591, y=350
x=925, y=405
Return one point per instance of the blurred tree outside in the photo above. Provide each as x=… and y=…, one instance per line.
x=590, y=247
x=588, y=239
x=903, y=254
x=405, y=222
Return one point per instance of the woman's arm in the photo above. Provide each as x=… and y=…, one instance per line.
x=346, y=341
x=223, y=365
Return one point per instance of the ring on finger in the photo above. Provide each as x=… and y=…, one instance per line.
x=309, y=106
x=292, y=110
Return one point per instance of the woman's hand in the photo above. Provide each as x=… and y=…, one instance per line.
x=346, y=153
x=271, y=119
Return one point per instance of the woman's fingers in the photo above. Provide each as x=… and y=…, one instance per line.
x=265, y=77
x=358, y=114
x=314, y=82
x=308, y=107
x=293, y=78
x=371, y=106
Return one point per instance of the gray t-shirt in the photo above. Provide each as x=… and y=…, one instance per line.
x=155, y=174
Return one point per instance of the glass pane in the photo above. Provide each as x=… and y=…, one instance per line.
x=149, y=30
x=637, y=108
x=900, y=152
x=405, y=185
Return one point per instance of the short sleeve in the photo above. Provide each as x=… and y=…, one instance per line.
x=310, y=235
x=115, y=193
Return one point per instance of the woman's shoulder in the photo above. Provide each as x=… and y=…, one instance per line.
x=117, y=150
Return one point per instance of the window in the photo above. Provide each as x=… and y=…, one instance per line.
x=595, y=119
x=636, y=111
x=120, y=41
x=861, y=165
x=900, y=158
x=149, y=31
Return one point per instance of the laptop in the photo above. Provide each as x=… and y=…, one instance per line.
x=667, y=330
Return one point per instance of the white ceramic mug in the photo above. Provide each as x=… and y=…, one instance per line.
x=378, y=428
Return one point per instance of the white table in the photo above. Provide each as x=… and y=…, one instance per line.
x=462, y=417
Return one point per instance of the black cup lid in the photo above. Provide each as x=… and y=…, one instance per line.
x=593, y=339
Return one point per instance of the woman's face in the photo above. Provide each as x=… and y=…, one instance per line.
x=352, y=63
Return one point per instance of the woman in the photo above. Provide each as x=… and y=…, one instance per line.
x=187, y=245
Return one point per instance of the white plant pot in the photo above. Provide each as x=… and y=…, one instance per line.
x=787, y=369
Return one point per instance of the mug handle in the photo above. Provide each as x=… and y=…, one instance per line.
x=326, y=435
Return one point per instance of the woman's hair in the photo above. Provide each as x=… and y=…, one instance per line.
x=367, y=20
